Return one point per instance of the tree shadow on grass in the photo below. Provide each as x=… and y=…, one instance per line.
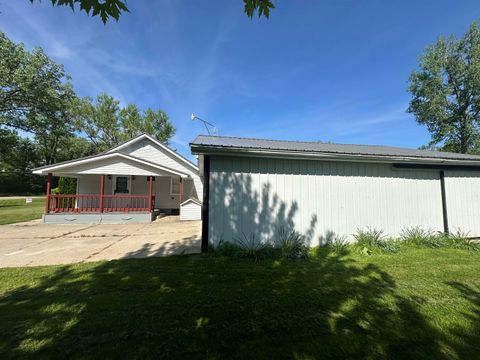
x=203, y=306
x=213, y=307
x=187, y=245
x=467, y=343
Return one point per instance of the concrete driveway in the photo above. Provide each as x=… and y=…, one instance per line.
x=33, y=243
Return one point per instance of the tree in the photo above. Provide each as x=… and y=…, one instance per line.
x=35, y=96
x=446, y=92
x=17, y=158
x=107, y=125
x=74, y=147
x=28, y=80
x=114, y=8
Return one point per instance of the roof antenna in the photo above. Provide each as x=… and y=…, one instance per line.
x=206, y=124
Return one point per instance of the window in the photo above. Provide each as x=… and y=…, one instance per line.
x=174, y=186
x=121, y=185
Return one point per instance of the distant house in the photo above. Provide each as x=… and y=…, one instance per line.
x=134, y=181
x=255, y=188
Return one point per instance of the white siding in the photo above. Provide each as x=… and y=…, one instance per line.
x=161, y=190
x=190, y=211
x=255, y=196
x=90, y=184
x=147, y=150
x=462, y=190
x=115, y=166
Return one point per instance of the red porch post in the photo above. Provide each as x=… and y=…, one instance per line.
x=102, y=188
x=49, y=190
x=180, y=193
x=150, y=194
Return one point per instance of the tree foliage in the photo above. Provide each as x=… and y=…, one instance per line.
x=106, y=124
x=37, y=101
x=263, y=7
x=115, y=8
x=29, y=80
x=446, y=92
x=103, y=8
x=18, y=156
x=35, y=96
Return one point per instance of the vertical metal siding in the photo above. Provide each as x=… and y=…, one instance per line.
x=462, y=190
x=257, y=197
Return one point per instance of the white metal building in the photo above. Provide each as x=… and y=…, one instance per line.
x=256, y=187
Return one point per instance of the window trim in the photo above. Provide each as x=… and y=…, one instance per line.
x=129, y=184
x=171, y=186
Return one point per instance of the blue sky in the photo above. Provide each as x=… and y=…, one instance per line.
x=316, y=70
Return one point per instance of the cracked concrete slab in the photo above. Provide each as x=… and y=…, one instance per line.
x=38, y=230
x=39, y=244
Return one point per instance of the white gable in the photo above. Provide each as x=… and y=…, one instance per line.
x=154, y=151
x=114, y=166
x=146, y=148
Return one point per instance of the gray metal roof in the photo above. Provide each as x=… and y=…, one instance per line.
x=225, y=143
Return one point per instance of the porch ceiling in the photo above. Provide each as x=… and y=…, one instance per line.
x=112, y=164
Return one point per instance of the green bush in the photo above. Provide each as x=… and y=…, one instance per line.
x=292, y=245
x=334, y=243
x=370, y=239
x=250, y=248
x=67, y=185
x=288, y=245
x=225, y=248
x=339, y=245
x=459, y=240
x=417, y=235
x=427, y=238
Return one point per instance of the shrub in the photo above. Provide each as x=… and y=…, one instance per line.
x=369, y=237
x=427, y=238
x=372, y=239
x=419, y=236
x=226, y=248
x=460, y=240
x=339, y=245
x=292, y=245
x=250, y=248
x=67, y=185
x=334, y=243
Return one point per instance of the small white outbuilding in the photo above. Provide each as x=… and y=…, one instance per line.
x=255, y=187
x=190, y=209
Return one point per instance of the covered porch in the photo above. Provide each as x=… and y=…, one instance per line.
x=115, y=188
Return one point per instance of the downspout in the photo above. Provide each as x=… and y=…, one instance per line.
x=444, y=202
x=205, y=204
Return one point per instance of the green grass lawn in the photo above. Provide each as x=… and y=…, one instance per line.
x=419, y=303
x=16, y=210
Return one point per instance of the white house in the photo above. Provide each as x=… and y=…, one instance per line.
x=131, y=182
x=255, y=188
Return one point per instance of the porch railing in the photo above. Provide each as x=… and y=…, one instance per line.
x=93, y=203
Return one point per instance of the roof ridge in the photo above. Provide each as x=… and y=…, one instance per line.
x=317, y=146
x=312, y=142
